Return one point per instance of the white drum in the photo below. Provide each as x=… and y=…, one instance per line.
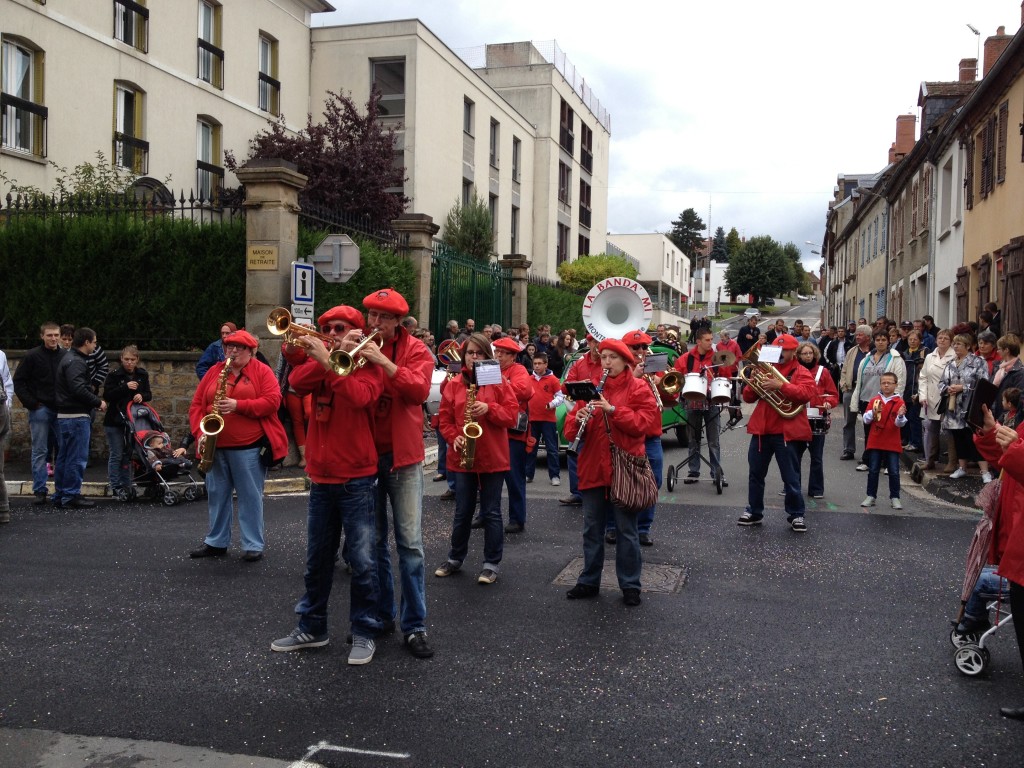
x=695, y=387
x=721, y=391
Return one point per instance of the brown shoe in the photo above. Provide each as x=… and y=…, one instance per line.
x=950, y=468
x=929, y=464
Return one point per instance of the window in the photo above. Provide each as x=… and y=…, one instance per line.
x=492, y=208
x=131, y=23
x=562, y=247
x=211, y=56
x=987, y=156
x=946, y=213
x=565, y=134
x=388, y=77
x=1004, y=118
x=467, y=117
x=269, y=85
x=584, y=204
x=130, y=150
x=467, y=192
x=583, y=246
x=564, y=183
x=21, y=98
x=514, y=221
x=517, y=151
x=209, y=175
x=586, y=148
x=494, y=138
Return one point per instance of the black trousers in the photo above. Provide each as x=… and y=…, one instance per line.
x=1017, y=609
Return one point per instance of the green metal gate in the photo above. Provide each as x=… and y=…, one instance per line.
x=462, y=287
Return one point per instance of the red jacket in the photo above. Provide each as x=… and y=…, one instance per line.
x=399, y=413
x=522, y=387
x=1008, y=534
x=584, y=369
x=635, y=412
x=339, y=438
x=694, y=362
x=492, y=446
x=258, y=395
x=544, y=390
x=884, y=435
x=799, y=389
x=654, y=429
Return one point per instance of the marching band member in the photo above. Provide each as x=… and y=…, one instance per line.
x=627, y=404
x=587, y=368
x=341, y=461
x=772, y=435
x=728, y=344
x=704, y=418
x=825, y=399
x=477, y=462
x=505, y=351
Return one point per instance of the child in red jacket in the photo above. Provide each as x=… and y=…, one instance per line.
x=886, y=413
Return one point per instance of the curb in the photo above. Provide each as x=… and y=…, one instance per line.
x=962, y=492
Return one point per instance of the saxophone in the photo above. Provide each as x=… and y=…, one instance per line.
x=212, y=424
x=471, y=430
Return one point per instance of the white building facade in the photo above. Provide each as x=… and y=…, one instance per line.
x=664, y=271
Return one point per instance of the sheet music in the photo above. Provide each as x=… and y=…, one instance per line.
x=769, y=355
x=487, y=372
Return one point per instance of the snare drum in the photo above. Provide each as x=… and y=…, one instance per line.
x=695, y=387
x=721, y=391
x=820, y=421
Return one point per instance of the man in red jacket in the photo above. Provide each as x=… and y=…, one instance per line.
x=407, y=365
x=505, y=351
x=702, y=418
x=772, y=435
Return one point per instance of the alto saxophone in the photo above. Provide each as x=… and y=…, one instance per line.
x=212, y=424
x=471, y=430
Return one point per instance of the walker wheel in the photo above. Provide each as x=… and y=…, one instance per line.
x=123, y=494
x=192, y=493
x=971, y=659
x=171, y=498
x=960, y=640
x=670, y=478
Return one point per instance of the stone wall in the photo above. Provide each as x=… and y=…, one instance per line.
x=172, y=377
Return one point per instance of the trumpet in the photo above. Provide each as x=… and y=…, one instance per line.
x=279, y=323
x=343, y=363
x=448, y=353
x=758, y=372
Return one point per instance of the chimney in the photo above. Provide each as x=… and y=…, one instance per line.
x=968, y=70
x=994, y=47
x=906, y=126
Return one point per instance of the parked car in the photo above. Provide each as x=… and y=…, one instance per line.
x=802, y=297
x=769, y=302
x=751, y=312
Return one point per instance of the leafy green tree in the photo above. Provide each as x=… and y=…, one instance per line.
x=719, y=248
x=688, y=234
x=467, y=229
x=587, y=271
x=733, y=243
x=761, y=268
x=796, y=269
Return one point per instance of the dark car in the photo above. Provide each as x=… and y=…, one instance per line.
x=769, y=302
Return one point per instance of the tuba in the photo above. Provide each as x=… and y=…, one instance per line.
x=212, y=424
x=616, y=306
x=757, y=372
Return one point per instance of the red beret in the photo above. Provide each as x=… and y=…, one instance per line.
x=242, y=338
x=620, y=349
x=786, y=341
x=507, y=344
x=231, y=326
x=636, y=338
x=345, y=314
x=387, y=300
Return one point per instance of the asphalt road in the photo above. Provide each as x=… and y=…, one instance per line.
x=829, y=647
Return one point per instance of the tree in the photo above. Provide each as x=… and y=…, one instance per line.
x=796, y=268
x=348, y=157
x=760, y=268
x=467, y=229
x=587, y=271
x=688, y=234
x=719, y=249
x=733, y=242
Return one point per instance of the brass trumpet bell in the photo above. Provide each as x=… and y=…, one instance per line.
x=448, y=352
x=345, y=363
x=211, y=424
x=279, y=323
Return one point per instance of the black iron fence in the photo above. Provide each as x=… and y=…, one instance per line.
x=462, y=287
x=140, y=203
x=315, y=216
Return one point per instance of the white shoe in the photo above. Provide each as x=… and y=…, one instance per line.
x=862, y=467
x=986, y=477
x=555, y=481
x=896, y=503
x=960, y=472
x=869, y=501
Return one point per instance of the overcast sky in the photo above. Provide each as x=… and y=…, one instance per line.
x=744, y=110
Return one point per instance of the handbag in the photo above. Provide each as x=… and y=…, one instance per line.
x=943, y=405
x=633, y=485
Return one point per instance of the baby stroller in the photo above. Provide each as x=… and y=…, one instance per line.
x=173, y=481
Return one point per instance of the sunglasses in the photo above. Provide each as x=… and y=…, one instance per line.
x=336, y=327
x=643, y=347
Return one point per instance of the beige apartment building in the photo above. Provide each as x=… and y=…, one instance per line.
x=664, y=272
x=164, y=88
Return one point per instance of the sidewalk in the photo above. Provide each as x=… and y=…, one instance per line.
x=279, y=480
x=961, y=492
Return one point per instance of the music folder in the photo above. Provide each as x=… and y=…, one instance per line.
x=583, y=391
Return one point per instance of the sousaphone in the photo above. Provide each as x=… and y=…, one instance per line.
x=616, y=306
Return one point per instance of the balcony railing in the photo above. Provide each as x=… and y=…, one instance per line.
x=131, y=152
x=585, y=214
x=270, y=94
x=209, y=180
x=24, y=125
x=587, y=159
x=211, y=63
x=566, y=139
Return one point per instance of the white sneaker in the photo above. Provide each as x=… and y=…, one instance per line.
x=960, y=472
x=896, y=503
x=555, y=481
x=869, y=501
x=862, y=467
x=986, y=477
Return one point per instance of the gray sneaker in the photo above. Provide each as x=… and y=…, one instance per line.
x=362, y=650
x=298, y=640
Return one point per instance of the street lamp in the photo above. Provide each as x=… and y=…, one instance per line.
x=977, y=34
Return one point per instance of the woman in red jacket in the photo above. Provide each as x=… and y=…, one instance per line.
x=494, y=409
x=627, y=407
x=827, y=398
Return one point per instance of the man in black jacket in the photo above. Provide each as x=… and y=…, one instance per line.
x=34, y=382
x=75, y=402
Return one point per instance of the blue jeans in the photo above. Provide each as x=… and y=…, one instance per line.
x=119, y=464
x=466, y=484
x=759, y=457
x=404, y=487
x=656, y=457
x=548, y=431
x=816, y=483
x=710, y=420
x=335, y=507
x=597, y=510
x=989, y=587
x=574, y=485
x=71, y=458
x=515, y=481
x=242, y=473
x=42, y=424
x=442, y=454
x=891, y=459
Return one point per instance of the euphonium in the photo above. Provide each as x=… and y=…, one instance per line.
x=448, y=353
x=757, y=372
x=212, y=424
x=471, y=430
x=343, y=363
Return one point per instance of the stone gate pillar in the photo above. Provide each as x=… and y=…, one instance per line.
x=518, y=265
x=415, y=232
x=272, y=189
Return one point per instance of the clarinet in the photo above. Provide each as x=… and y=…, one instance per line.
x=574, y=447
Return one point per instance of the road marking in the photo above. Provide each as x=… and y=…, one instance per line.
x=304, y=761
